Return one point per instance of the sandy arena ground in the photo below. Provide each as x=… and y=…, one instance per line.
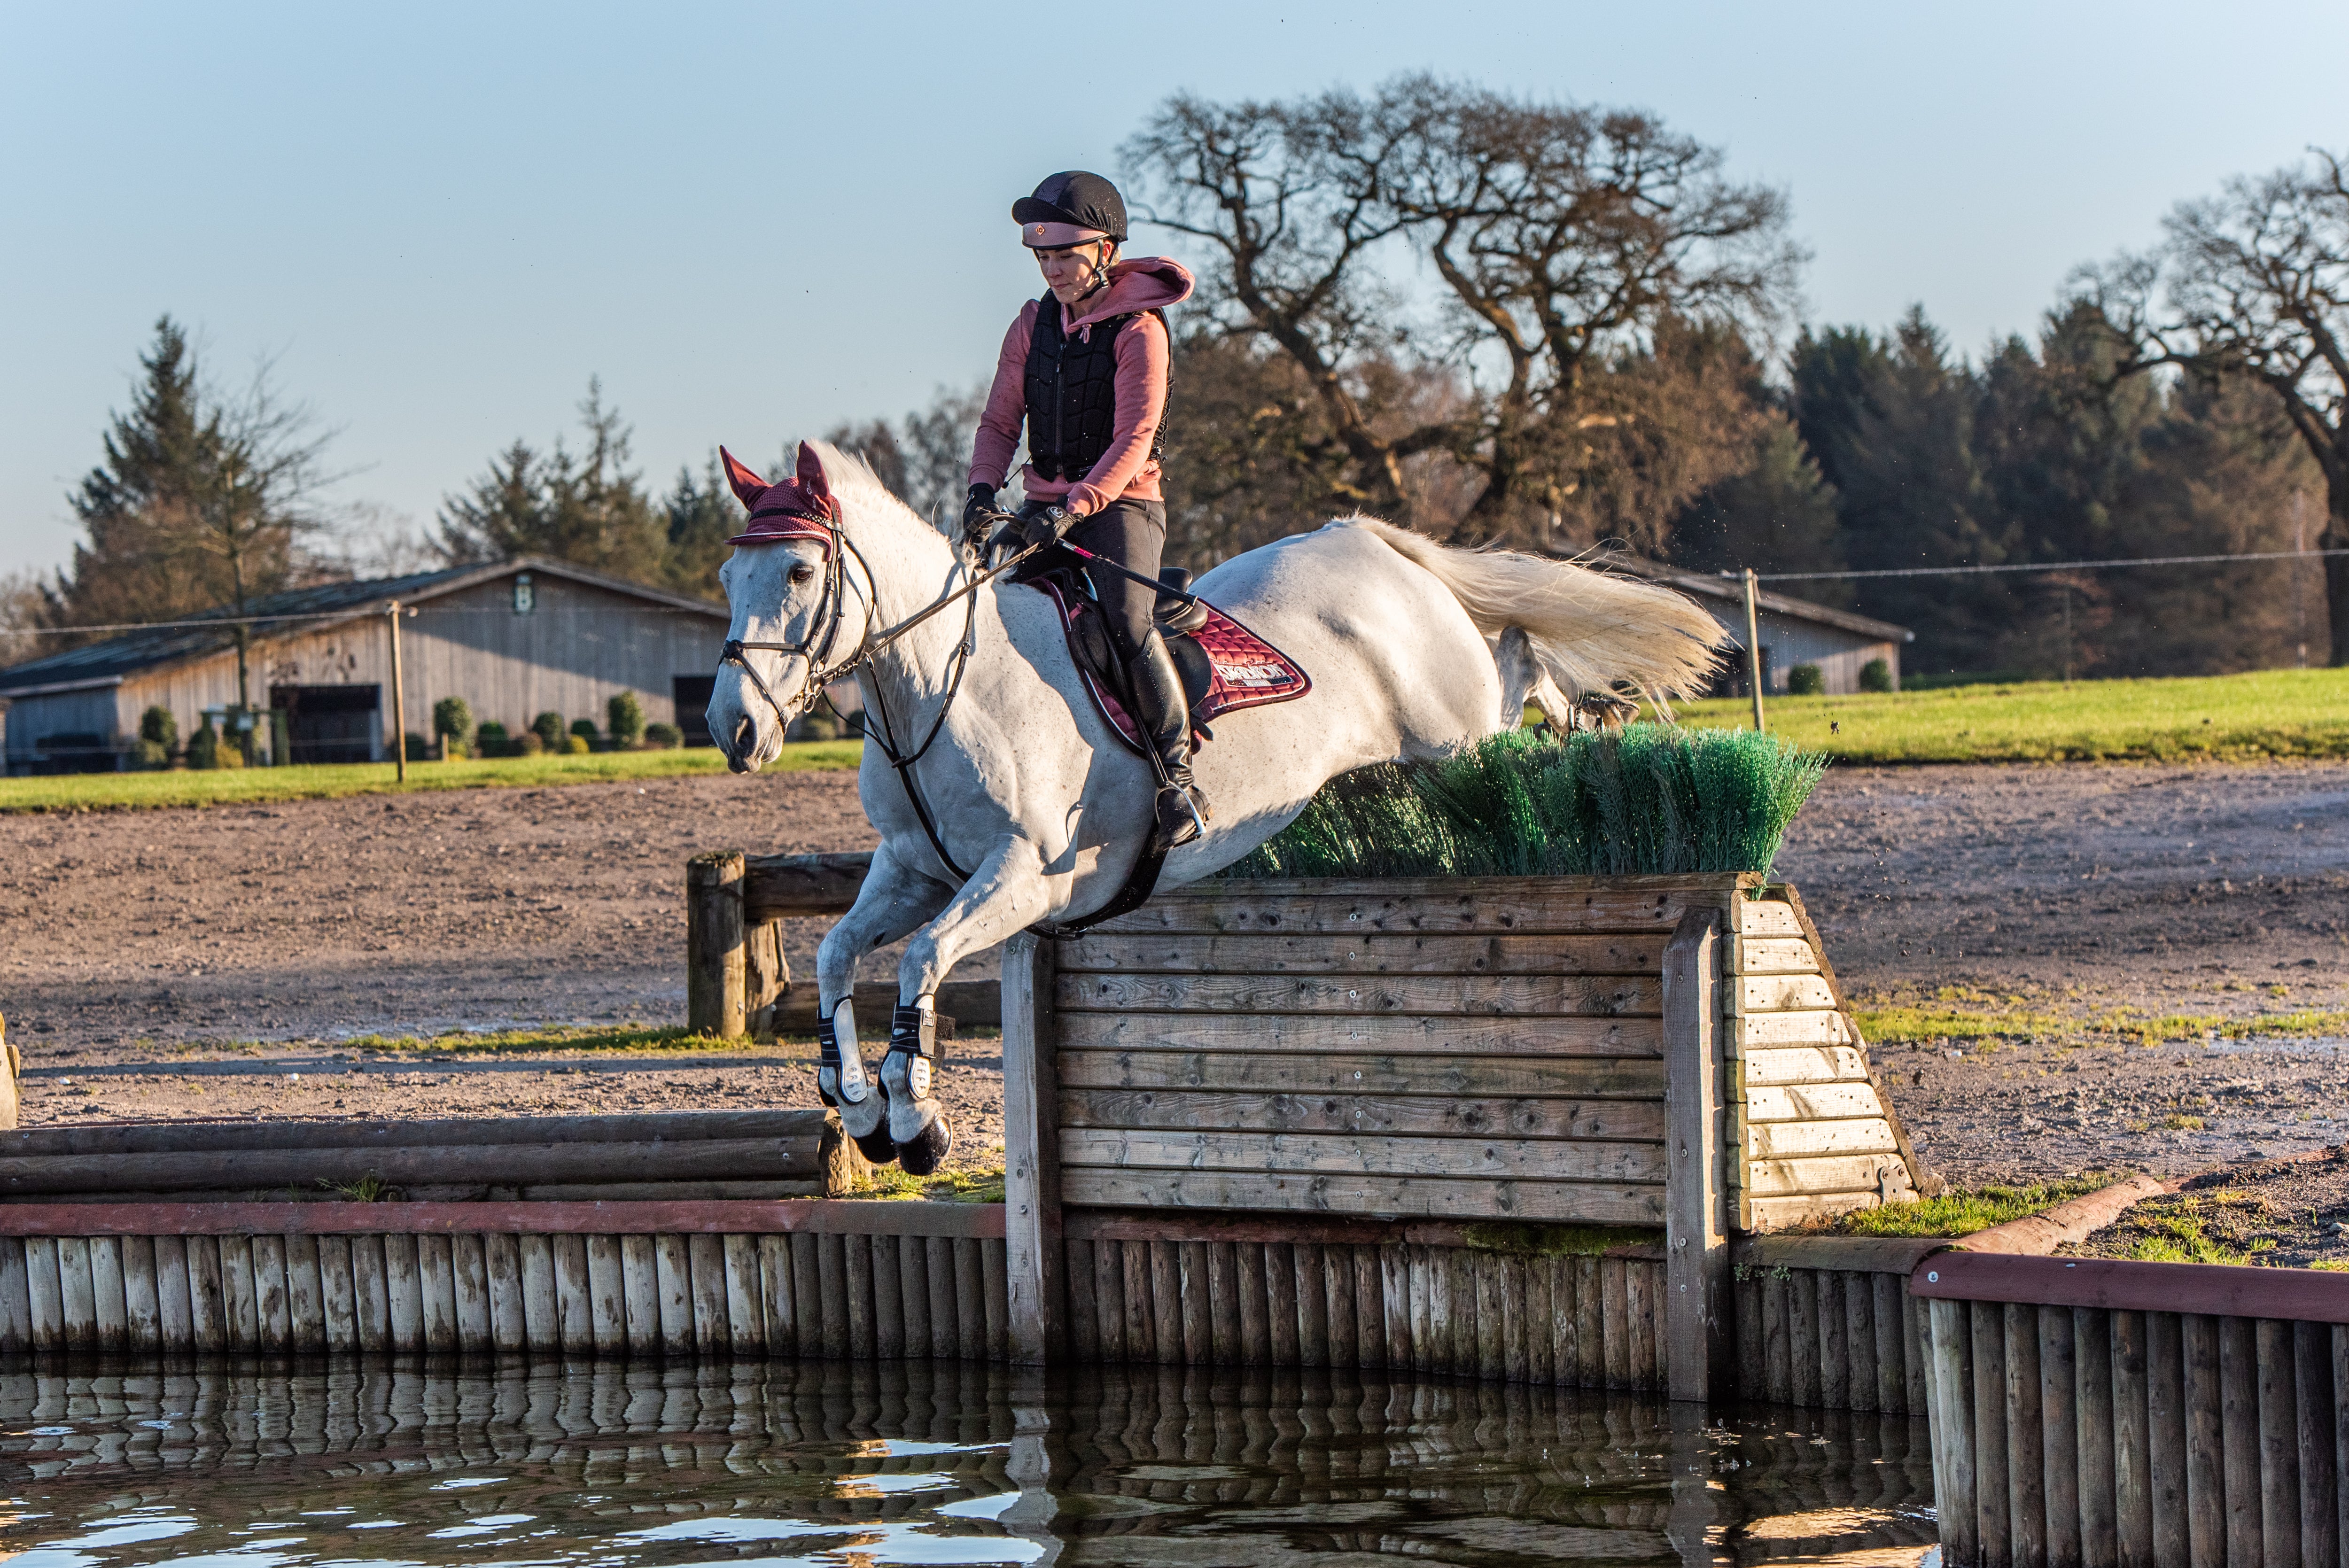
x=135, y=946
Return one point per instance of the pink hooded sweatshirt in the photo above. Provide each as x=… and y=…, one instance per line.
x=1125, y=471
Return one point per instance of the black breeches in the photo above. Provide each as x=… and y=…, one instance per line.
x=1133, y=534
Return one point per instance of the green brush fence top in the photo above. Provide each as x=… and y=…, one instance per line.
x=1648, y=801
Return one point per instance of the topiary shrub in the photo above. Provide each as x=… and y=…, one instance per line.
x=152, y=757
x=1652, y=799
x=157, y=727
x=204, y=747
x=1876, y=675
x=550, y=730
x=625, y=718
x=526, y=744
x=1806, y=680
x=492, y=740
x=663, y=736
x=577, y=745
x=452, y=722
x=584, y=729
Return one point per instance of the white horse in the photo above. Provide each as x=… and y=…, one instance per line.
x=1413, y=649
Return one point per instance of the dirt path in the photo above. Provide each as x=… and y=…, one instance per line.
x=156, y=937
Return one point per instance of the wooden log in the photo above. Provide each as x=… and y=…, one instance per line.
x=542, y=1308
x=1280, y=1302
x=1615, y=1306
x=1643, y=1287
x=208, y=1308
x=778, y=1296
x=833, y=1286
x=1920, y=1356
x=784, y=887
x=1563, y=906
x=2165, y=1424
x=1432, y=1116
x=913, y=1293
x=640, y=1293
x=2319, y=1435
x=1394, y=1306
x=337, y=1296
x=1956, y=1487
x=574, y=1298
x=1084, y=1334
x=142, y=1302
x=78, y=1300
x=1192, y=1296
x=2275, y=1465
x=1892, y=1345
x=1141, y=1309
x=1778, y=1338
x=1213, y=1034
x=607, y=1295
x=1166, y=1303
x=1994, y=1482
x=2026, y=1457
x=468, y=1261
x=1312, y=1305
x=766, y=975
x=2207, y=1524
x=2134, y=1501
x=745, y=1303
x=673, y=1285
x=501, y=1280
x=716, y=967
x=888, y=1300
x=809, y=1303
x=1541, y=1320
x=109, y=1305
x=1255, y=1304
x=705, y=1259
x=1355, y=1075
x=1526, y=996
x=16, y=1298
x=370, y=1291
x=1700, y=1335
x=1370, y=1314
x=863, y=1329
x=1419, y=1286
x=946, y=1298
x=306, y=1294
x=1832, y=1345
x=1861, y=1385
x=403, y=1283
x=995, y=1283
x=1038, y=1306
x=1585, y=1202
x=428, y=1132
x=2238, y=1439
x=2092, y=1409
x=1108, y=1298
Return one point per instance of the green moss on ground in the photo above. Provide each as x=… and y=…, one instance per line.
x=1961, y=1214
x=1558, y=1240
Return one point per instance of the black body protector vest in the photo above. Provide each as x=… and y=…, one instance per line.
x=1073, y=394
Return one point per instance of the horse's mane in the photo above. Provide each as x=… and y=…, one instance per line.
x=857, y=486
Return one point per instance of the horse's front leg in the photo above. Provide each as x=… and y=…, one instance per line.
x=893, y=901
x=1005, y=894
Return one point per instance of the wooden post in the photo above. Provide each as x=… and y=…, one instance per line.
x=1699, y=1336
x=766, y=973
x=11, y=1097
x=1753, y=650
x=715, y=964
x=1032, y=1177
x=399, y=700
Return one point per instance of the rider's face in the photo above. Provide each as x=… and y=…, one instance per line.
x=1069, y=270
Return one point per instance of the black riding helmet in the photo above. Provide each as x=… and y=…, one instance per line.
x=1070, y=200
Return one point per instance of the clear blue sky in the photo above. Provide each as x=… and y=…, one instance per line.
x=755, y=221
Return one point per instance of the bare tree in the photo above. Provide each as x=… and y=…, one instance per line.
x=1563, y=238
x=2254, y=282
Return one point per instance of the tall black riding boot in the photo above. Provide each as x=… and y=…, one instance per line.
x=1164, y=711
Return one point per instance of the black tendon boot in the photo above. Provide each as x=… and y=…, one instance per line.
x=1164, y=712
x=842, y=1081
x=917, y=1122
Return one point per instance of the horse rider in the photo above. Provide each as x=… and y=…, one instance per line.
x=1084, y=366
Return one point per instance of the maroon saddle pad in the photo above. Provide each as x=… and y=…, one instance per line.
x=1244, y=670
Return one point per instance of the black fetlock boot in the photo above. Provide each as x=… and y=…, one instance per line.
x=1163, y=711
x=918, y=1125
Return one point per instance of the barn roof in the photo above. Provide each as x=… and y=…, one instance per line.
x=1732, y=591
x=297, y=610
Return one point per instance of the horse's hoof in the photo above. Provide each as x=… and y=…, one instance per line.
x=928, y=1150
x=876, y=1146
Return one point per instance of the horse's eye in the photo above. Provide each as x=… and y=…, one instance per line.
x=802, y=572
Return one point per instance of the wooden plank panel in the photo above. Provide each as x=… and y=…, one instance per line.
x=857, y=1270
x=337, y=1301
x=469, y=1262
x=142, y=1305
x=1772, y=1213
x=436, y=1270
x=1811, y=1102
x=607, y=1297
x=1473, y=996
x=404, y=1292
x=1783, y=994
x=1777, y=955
x=305, y=1306
x=1771, y=1140
x=1762, y=1031
x=913, y=1295
x=370, y=1294
x=1402, y=1034
x=1454, y=1117
x=1588, y=1202
x=1287, y=952
x=1634, y=1077
x=542, y=1312
x=501, y=1263
x=78, y=1301
x=1825, y=1174
x=16, y=1298
x=746, y=1315
x=1767, y=918
x=705, y=1259
x=777, y=1298
x=807, y=1296
x=1803, y=1065
x=888, y=1299
x=947, y=1333
x=995, y=1266
x=1254, y=1304
x=673, y=1304
x=207, y=1310
x=108, y=1298
x=1514, y=905
x=574, y=1298
x=1489, y=1159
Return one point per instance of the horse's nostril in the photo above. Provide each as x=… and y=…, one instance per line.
x=745, y=733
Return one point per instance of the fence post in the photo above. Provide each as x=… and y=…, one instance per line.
x=1034, y=1254
x=1699, y=1336
x=715, y=966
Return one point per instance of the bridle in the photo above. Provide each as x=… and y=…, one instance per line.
x=832, y=610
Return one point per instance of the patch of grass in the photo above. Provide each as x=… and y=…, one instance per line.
x=1558, y=1240
x=2252, y=717
x=2189, y=1229
x=2331, y=1265
x=369, y=1189
x=1954, y=1012
x=1962, y=1214
x=254, y=786
x=1652, y=799
x=889, y=1183
x=2178, y=1121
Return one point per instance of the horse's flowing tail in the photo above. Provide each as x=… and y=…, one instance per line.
x=1588, y=630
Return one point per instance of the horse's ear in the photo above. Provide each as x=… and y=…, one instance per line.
x=748, y=487
x=811, y=478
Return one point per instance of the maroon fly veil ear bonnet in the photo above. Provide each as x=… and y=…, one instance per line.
x=799, y=508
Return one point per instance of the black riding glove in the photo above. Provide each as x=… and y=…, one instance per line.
x=1043, y=525
x=979, y=513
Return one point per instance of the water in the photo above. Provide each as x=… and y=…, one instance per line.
x=861, y=1464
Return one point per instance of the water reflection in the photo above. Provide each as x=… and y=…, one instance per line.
x=858, y=1463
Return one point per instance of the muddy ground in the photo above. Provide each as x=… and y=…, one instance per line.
x=134, y=945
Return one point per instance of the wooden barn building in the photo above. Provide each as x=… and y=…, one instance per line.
x=514, y=640
x=1792, y=631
